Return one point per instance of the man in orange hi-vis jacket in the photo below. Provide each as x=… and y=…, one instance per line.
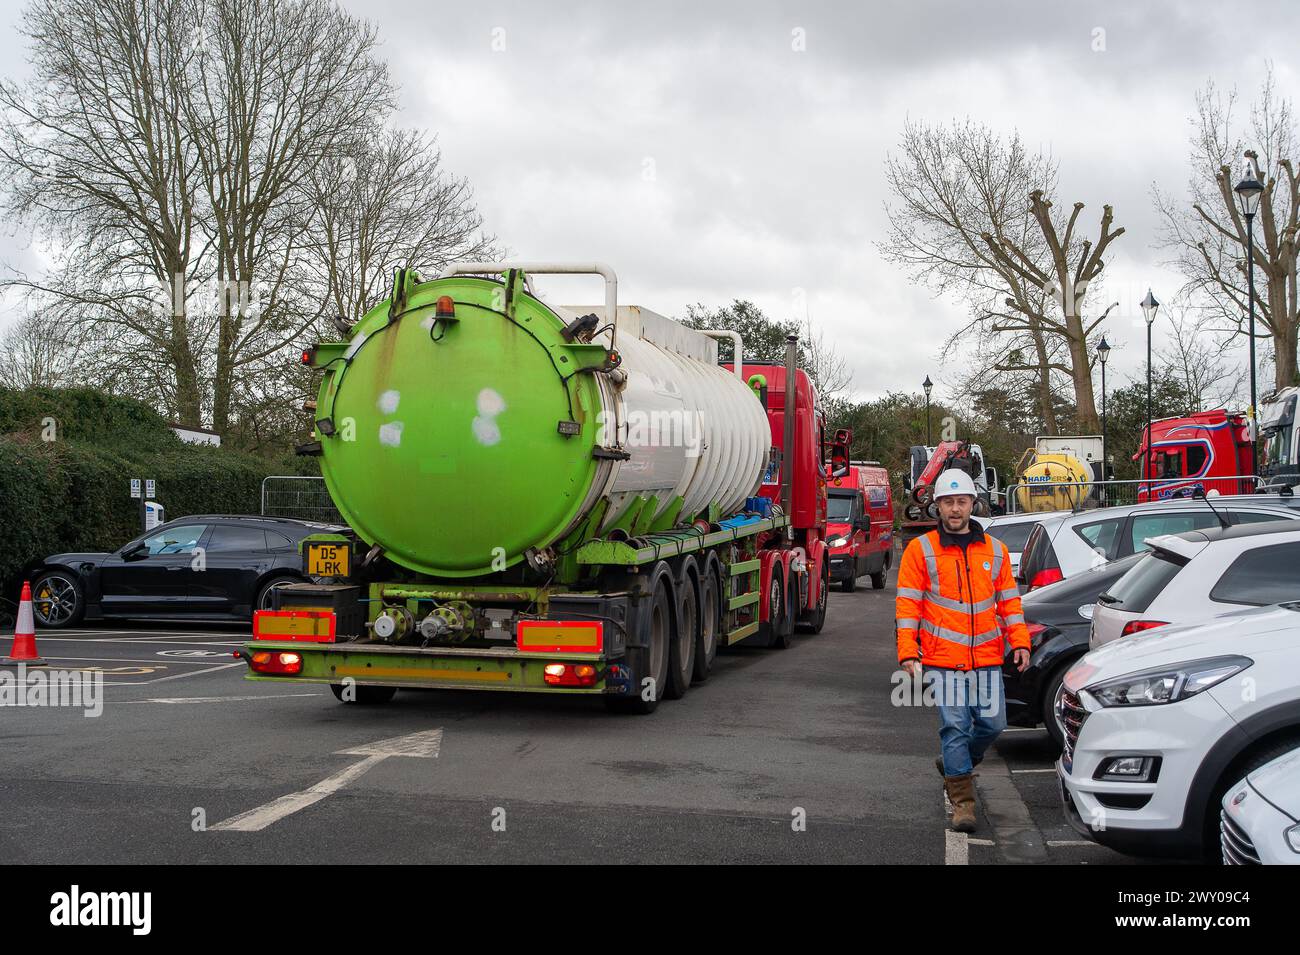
x=957, y=608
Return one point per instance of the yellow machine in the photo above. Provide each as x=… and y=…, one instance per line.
x=1060, y=474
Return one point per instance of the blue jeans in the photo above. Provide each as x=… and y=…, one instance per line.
x=972, y=712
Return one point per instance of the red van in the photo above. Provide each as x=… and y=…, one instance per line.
x=860, y=525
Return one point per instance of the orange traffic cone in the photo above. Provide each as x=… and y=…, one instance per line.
x=24, y=648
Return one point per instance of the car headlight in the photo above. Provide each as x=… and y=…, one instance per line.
x=838, y=541
x=1167, y=685
x=1293, y=838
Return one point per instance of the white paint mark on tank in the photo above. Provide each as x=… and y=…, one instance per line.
x=388, y=401
x=486, y=431
x=490, y=404
x=391, y=434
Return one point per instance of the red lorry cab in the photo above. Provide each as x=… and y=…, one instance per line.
x=860, y=525
x=1206, y=450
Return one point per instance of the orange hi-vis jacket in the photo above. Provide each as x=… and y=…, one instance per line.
x=953, y=604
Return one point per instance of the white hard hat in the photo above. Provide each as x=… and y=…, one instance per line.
x=952, y=482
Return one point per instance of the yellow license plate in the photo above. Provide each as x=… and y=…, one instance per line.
x=328, y=560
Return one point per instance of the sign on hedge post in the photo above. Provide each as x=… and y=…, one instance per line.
x=143, y=495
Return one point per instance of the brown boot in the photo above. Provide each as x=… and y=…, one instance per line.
x=961, y=793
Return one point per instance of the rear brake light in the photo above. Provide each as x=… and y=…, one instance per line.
x=275, y=661
x=1137, y=626
x=569, y=674
x=1045, y=577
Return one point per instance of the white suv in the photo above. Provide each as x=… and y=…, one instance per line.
x=1159, y=725
x=1260, y=820
x=1202, y=574
x=1064, y=545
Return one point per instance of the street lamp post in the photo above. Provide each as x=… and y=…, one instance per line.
x=1149, y=308
x=927, y=385
x=1248, y=193
x=1103, y=352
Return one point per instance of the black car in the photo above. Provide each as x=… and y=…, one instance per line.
x=213, y=567
x=1059, y=617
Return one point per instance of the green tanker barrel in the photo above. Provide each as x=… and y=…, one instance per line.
x=456, y=444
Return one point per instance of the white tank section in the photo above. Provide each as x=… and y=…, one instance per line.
x=692, y=428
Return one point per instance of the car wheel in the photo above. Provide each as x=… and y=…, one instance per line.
x=57, y=600
x=849, y=584
x=1051, y=707
x=266, y=596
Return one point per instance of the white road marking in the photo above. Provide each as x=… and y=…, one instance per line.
x=980, y=842
x=1024, y=729
x=1050, y=769
x=424, y=744
x=217, y=699
x=1070, y=842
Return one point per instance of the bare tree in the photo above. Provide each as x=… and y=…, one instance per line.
x=973, y=220
x=388, y=204
x=94, y=160
x=1196, y=359
x=39, y=351
x=1207, y=234
x=824, y=364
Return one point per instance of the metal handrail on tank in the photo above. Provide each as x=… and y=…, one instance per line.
x=1100, y=494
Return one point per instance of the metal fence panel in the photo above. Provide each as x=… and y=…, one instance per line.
x=302, y=498
x=1088, y=495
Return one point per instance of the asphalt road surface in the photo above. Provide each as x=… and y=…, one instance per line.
x=782, y=756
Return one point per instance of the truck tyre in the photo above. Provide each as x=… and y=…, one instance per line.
x=57, y=599
x=769, y=631
x=817, y=619
x=707, y=647
x=651, y=661
x=364, y=695
x=686, y=637
x=785, y=633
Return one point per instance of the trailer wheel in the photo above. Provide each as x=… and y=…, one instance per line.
x=651, y=661
x=685, y=642
x=769, y=631
x=706, y=649
x=364, y=695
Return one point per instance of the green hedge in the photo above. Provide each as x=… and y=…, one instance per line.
x=71, y=493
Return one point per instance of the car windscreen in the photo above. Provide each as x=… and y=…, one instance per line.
x=839, y=507
x=1015, y=536
x=1134, y=591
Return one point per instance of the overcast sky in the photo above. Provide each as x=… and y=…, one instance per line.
x=698, y=150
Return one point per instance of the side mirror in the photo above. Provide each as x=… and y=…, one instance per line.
x=134, y=552
x=862, y=524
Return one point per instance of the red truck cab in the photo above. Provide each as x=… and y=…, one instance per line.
x=860, y=525
x=1209, y=450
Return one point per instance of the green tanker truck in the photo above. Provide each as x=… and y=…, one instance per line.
x=574, y=500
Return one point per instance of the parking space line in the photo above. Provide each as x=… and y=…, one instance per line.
x=956, y=845
x=1050, y=769
x=1054, y=843
x=217, y=699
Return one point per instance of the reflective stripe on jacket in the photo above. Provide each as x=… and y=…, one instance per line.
x=954, y=606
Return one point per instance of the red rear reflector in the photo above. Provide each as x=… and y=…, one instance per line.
x=275, y=661
x=569, y=674
x=1137, y=626
x=307, y=356
x=560, y=636
x=1045, y=577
